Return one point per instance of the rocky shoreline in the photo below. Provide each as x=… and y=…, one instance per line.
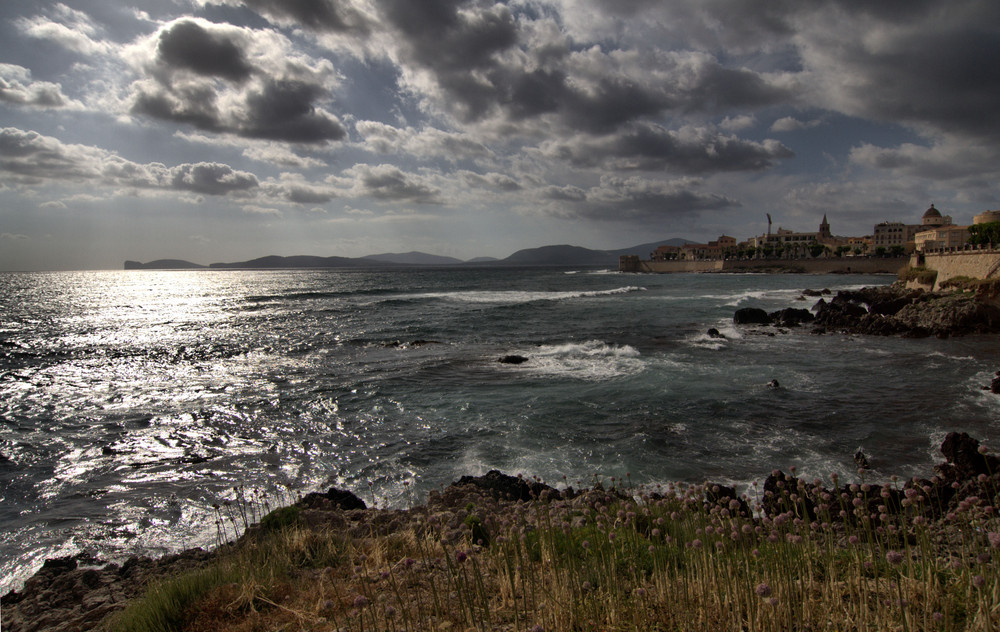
x=891, y=310
x=79, y=593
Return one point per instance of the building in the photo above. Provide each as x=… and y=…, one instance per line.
x=941, y=237
x=796, y=244
x=717, y=249
x=890, y=234
x=986, y=217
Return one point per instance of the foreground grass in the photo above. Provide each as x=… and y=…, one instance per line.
x=656, y=559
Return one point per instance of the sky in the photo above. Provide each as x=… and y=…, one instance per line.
x=224, y=130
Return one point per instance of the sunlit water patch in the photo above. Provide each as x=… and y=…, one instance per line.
x=133, y=401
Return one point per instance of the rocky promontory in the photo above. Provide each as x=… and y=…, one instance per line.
x=78, y=594
x=891, y=310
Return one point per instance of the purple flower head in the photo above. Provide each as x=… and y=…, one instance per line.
x=461, y=556
x=978, y=581
x=894, y=557
x=360, y=601
x=763, y=589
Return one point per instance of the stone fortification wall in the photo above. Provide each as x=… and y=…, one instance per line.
x=846, y=265
x=977, y=264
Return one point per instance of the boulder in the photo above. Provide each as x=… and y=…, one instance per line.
x=791, y=317
x=512, y=359
x=333, y=497
x=510, y=487
x=715, y=333
x=751, y=316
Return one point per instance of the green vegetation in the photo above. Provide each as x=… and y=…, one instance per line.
x=919, y=274
x=664, y=558
x=981, y=234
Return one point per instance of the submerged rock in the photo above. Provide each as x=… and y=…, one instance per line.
x=512, y=359
x=751, y=316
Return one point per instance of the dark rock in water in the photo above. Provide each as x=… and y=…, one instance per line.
x=861, y=460
x=333, y=497
x=892, y=311
x=822, y=292
x=511, y=487
x=964, y=458
x=512, y=359
x=751, y=316
x=714, y=333
x=791, y=317
x=995, y=384
x=773, y=384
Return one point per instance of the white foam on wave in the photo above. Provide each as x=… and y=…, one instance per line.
x=592, y=360
x=510, y=297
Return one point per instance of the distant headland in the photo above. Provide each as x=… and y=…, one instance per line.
x=543, y=256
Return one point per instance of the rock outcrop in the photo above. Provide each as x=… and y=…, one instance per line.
x=76, y=594
x=889, y=311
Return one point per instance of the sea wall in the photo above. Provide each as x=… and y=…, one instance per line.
x=973, y=263
x=832, y=265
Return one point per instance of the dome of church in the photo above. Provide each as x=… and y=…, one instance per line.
x=932, y=212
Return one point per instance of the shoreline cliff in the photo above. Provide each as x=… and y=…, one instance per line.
x=475, y=517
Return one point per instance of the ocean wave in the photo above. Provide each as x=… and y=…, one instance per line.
x=513, y=297
x=592, y=360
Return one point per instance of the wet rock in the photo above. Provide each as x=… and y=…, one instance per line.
x=715, y=333
x=964, y=457
x=861, y=460
x=791, y=317
x=513, y=359
x=333, y=498
x=773, y=384
x=891, y=310
x=751, y=316
x=509, y=487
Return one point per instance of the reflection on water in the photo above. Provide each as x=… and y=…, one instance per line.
x=132, y=401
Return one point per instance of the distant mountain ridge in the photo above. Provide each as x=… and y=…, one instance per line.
x=565, y=255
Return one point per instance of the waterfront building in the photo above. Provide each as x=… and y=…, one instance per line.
x=890, y=234
x=950, y=236
x=986, y=217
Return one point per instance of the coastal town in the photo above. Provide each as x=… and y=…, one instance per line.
x=934, y=232
x=936, y=243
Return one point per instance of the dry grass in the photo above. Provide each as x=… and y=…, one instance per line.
x=654, y=559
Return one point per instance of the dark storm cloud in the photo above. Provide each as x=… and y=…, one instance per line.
x=632, y=199
x=192, y=104
x=189, y=46
x=387, y=182
x=651, y=147
x=487, y=63
x=947, y=80
x=285, y=110
x=201, y=75
x=318, y=15
x=29, y=157
x=493, y=181
x=212, y=179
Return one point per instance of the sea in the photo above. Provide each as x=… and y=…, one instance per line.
x=131, y=402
